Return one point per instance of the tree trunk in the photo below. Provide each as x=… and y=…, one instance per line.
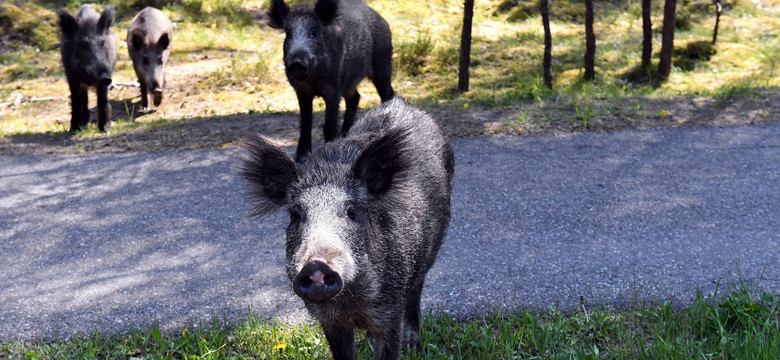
x=667, y=40
x=465, y=46
x=590, y=42
x=547, y=62
x=718, y=10
x=647, y=35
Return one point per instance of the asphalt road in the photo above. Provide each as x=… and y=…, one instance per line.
x=113, y=241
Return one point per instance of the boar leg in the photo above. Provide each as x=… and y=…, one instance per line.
x=382, y=74
x=341, y=342
x=304, y=141
x=103, y=110
x=411, y=339
x=351, y=101
x=78, y=105
x=387, y=346
x=84, y=106
x=144, y=92
x=331, y=117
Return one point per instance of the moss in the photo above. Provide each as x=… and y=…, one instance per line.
x=683, y=19
x=28, y=24
x=521, y=13
x=521, y=10
x=689, y=56
x=412, y=56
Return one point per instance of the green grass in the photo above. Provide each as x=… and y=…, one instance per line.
x=741, y=325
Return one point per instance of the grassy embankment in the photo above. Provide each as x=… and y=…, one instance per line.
x=741, y=325
x=225, y=63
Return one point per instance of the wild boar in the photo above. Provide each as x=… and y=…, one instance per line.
x=89, y=49
x=148, y=40
x=329, y=48
x=368, y=213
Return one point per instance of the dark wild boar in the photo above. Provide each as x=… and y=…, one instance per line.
x=88, y=47
x=368, y=213
x=329, y=48
x=148, y=40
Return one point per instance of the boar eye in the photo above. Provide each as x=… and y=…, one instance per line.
x=295, y=216
x=351, y=212
x=146, y=61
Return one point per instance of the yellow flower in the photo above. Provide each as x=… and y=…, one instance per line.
x=466, y=105
x=280, y=346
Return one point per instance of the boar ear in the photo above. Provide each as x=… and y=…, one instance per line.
x=163, y=42
x=278, y=13
x=68, y=23
x=326, y=10
x=106, y=20
x=383, y=163
x=270, y=171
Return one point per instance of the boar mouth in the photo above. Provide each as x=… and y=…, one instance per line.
x=298, y=70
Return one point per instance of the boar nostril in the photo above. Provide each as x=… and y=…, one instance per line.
x=329, y=280
x=297, y=68
x=306, y=283
x=317, y=282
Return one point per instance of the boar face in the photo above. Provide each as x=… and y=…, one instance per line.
x=304, y=43
x=324, y=242
x=332, y=202
x=89, y=45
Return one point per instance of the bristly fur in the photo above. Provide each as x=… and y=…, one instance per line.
x=269, y=170
x=384, y=161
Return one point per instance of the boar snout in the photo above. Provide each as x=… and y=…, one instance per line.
x=104, y=81
x=317, y=282
x=299, y=65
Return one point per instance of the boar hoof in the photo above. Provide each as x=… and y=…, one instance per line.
x=317, y=282
x=411, y=341
x=157, y=98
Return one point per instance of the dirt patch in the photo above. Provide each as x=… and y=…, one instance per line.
x=760, y=106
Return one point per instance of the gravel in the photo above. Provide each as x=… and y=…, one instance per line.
x=115, y=241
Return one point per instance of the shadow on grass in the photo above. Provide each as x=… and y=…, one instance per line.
x=130, y=133
x=505, y=114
